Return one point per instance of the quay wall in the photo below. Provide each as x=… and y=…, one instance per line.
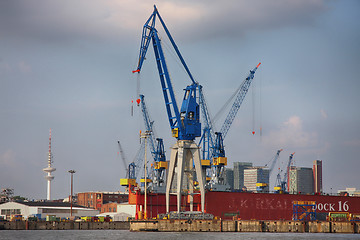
x=244, y=226
x=43, y=225
x=192, y=226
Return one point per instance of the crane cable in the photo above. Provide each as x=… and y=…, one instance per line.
x=253, y=102
x=175, y=56
x=222, y=109
x=260, y=99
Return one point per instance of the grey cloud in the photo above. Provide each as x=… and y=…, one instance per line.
x=235, y=18
x=54, y=21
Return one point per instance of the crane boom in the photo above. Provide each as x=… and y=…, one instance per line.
x=148, y=125
x=122, y=154
x=288, y=168
x=244, y=87
x=263, y=181
x=130, y=178
x=185, y=124
x=218, y=152
x=274, y=160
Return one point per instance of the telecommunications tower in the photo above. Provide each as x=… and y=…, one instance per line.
x=49, y=170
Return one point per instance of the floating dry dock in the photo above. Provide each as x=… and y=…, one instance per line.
x=173, y=225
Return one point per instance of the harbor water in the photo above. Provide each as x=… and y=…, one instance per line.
x=125, y=234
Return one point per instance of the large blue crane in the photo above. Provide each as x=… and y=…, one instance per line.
x=185, y=124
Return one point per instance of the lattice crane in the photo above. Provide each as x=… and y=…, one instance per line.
x=184, y=121
x=262, y=184
x=282, y=185
x=218, y=154
x=158, y=152
x=130, y=178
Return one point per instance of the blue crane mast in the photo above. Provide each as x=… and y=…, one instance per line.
x=208, y=136
x=158, y=152
x=185, y=124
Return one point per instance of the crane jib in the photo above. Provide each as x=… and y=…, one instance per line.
x=187, y=121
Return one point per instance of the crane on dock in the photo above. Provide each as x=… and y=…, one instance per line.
x=282, y=185
x=158, y=152
x=261, y=185
x=130, y=178
x=217, y=153
x=184, y=122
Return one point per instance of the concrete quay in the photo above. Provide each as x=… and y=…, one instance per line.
x=42, y=225
x=244, y=226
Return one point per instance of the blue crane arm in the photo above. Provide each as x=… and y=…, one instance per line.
x=148, y=28
x=288, y=168
x=276, y=157
x=238, y=101
x=185, y=124
x=122, y=155
x=148, y=125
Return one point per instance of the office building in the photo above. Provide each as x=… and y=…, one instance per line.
x=239, y=174
x=317, y=172
x=301, y=180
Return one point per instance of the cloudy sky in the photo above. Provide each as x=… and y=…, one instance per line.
x=66, y=65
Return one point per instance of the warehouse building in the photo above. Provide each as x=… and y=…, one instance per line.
x=42, y=209
x=118, y=211
x=97, y=199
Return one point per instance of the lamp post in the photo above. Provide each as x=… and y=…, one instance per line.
x=145, y=136
x=71, y=197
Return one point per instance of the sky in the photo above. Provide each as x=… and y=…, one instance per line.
x=66, y=65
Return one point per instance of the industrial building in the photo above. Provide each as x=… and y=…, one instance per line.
x=229, y=177
x=118, y=211
x=317, y=172
x=301, y=180
x=349, y=192
x=97, y=199
x=42, y=209
x=255, y=175
x=239, y=174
